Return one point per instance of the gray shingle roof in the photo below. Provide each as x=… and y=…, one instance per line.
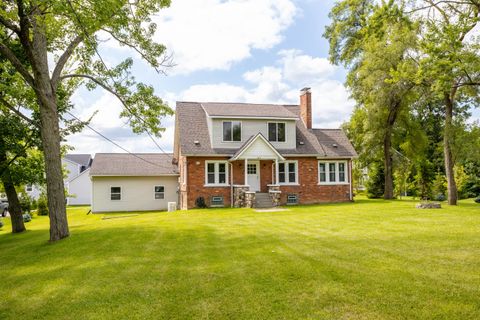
x=139, y=164
x=220, y=109
x=81, y=159
x=192, y=126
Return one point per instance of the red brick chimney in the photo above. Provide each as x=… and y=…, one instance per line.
x=306, y=107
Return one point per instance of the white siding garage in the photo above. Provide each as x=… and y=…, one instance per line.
x=133, y=182
x=133, y=193
x=80, y=189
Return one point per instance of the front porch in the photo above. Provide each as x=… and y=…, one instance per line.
x=255, y=171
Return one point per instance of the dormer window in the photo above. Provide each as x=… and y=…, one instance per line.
x=276, y=131
x=232, y=131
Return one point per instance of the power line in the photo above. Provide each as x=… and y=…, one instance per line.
x=116, y=144
x=87, y=36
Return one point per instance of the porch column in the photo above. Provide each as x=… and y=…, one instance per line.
x=245, y=182
x=276, y=171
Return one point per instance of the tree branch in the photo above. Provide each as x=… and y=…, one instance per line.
x=18, y=113
x=9, y=24
x=7, y=53
x=64, y=59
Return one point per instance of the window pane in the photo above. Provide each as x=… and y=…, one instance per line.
x=237, y=131
x=159, y=196
x=281, y=132
x=211, y=178
x=341, y=172
x=159, y=188
x=211, y=167
x=281, y=177
x=115, y=196
x=222, y=178
x=272, y=132
x=331, y=168
x=221, y=167
x=227, y=131
x=291, y=167
x=291, y=177
x=321, y=168
x=115, y=189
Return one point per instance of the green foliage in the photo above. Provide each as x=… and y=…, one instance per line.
x=42, y=206
x=439, y=185
x=200, y=202
x=25, y=202
x=376, y=181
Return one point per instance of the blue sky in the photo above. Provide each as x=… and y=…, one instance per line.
x=225, y=50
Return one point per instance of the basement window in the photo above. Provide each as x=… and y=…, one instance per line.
x=217, y=201
x=115, y=193
x=292, y=199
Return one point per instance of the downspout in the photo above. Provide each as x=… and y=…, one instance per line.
x=351, y=179
x=231, y=185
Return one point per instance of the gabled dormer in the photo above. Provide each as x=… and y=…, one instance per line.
x=230, y=126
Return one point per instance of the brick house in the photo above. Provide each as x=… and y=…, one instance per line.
x=244, y=155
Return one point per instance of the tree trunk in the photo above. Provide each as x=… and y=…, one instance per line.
x=447, y=151
x=14, y=207
x=387, y=151
x=50, y=133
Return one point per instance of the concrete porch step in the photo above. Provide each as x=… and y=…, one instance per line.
x=263, y=200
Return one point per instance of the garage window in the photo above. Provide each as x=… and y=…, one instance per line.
x=159, y=192
x=115, y=193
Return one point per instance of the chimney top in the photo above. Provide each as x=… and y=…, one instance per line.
x=305, y=90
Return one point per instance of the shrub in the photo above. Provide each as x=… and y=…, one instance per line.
x=25, y=203
x=440, y=197
x=1, y=223
x=27, y=217
x=376, y=181
x=42, y=206
x=477, y=200
x=200, y=202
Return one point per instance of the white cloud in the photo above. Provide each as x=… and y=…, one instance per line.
x=304, y=69
x=214, y=34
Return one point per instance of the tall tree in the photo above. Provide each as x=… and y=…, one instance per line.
x=449, y=63
x=373, y=41
x=31, y=31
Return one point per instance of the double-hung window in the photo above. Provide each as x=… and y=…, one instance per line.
x=159, y=192
x=115, y=193
x=287, y=172
x=276, y=131
x=216, y=173
x=232, y=131
x=331, y=172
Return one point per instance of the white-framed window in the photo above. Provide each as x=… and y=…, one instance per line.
x=28, y=188
x=288, y=172
x=232, y=131
x=332, y=172
x=276, y=131
x=216, y=172
x=115, y=193
x=159, y=192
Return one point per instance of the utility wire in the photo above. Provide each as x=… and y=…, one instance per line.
x=116, y=144
x=87, y=36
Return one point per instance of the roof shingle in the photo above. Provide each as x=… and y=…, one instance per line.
x=138, y=164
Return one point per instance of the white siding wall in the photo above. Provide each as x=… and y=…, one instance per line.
x=71, y=169
x=80, y=189
x=251, y=127
x=137, y=193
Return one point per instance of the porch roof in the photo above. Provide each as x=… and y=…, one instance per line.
x=257, y=147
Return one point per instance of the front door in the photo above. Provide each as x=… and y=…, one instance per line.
x=253, y=175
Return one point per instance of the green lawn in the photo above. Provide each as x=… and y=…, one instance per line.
x=367, y=260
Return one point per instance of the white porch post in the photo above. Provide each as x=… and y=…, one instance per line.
x=276, y=171
x=245, y=182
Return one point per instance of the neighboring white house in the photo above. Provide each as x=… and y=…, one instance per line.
x=80, y=189
x=133, y=182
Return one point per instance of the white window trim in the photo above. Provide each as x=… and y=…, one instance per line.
x=158, y=185
x=337, y=173
x=268, y=132
x=121, y=193
x=29, y=188
x=296, y=183
x=241, y=132
x=217, y=174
